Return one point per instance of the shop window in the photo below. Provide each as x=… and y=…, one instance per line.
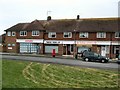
x=67, y=35
x=83, y=35
x=9, y=34
x=117, y=34
x=13, y=33
x=101, y=35
x=52, y=34
x=23, y=33
x=35, y=33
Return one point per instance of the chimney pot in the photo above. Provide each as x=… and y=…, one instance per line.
x=78, y=17
x=48, y=18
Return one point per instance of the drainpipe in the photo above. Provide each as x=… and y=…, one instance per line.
x=75, y=55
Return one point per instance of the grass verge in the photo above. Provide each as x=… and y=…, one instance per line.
x=22, y=74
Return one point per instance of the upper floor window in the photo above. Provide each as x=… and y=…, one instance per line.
x=35, y=33
x=13, y=33
x=8, y=33
x=9, y=44
x=67, y=35
x=117, y=34
x=101, y=35
x=23, y=33
x=52, y=34
x=83, y=35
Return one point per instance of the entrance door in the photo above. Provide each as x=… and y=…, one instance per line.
x=117, y=53
x=103, y=50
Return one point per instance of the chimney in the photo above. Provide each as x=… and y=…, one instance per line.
x=48, y=18
x=78, y=17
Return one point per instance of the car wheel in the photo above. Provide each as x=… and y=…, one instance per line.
x=86, y=59
x=103, y=61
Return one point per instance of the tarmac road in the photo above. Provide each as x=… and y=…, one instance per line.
x=71, y=62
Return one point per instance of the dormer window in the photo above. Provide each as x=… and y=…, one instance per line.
x=23, y=33
x=67, y=35
x=52, y=34
x=101, y=35
x=35, y=33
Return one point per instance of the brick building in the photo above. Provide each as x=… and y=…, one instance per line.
x=66, y=36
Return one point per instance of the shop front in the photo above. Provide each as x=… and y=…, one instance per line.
x=61, y=47
x=29, y=45
x=50, y=45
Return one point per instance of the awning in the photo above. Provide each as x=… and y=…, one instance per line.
x=84, y=45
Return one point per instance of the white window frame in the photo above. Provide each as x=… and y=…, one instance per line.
x=8, y=33
x=13, y=33
x=83, y=33
x=35, y=33
x=67, y=33
x=24, y=33
x=51, y=33
x=101, y=36
x=117, y=34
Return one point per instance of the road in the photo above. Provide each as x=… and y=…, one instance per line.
x=63, y=61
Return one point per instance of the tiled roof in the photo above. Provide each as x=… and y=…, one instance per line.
x=18, y=27
x=35, y=25
x=62, y=25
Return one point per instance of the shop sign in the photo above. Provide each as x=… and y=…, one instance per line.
x=28, y=40
x=9, y=47
x=53, y=42
x=86, y=42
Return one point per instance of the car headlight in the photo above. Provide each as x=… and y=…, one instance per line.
x=107, y=58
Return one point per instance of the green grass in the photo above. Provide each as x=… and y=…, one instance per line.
x=22, y=74
x=0, y=74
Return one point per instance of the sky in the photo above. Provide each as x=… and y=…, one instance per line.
x=22, y=11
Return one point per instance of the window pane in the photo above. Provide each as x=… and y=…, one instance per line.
x=101, y=35
x=83, y=35
x=35, y=33
x=52, y=34
x=13, y=33
x=67, y=34
x=117, y=34
x=9, y=33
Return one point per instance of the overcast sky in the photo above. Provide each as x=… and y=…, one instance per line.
x=20, y=11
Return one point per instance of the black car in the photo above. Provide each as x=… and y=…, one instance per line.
x=91, y=56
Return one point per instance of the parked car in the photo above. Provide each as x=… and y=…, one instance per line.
x=91, y=56
x=118, y=59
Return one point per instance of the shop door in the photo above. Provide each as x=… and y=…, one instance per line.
x=103, y=50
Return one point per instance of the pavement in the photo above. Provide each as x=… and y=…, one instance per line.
x=49, y=56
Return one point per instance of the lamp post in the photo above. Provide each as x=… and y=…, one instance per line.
x=75, y=44
x=110, y=45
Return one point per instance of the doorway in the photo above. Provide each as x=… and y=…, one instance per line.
x=103, y=50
